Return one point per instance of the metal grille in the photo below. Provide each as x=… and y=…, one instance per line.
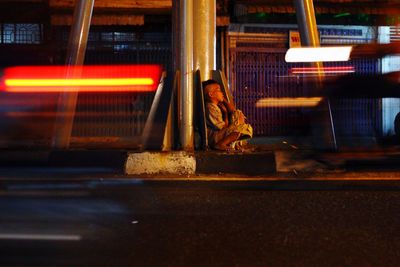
x=358, y=117
x=394, y=34
x=21, y=33
x=121, y=115
x=139, y=53
x=264, y=74
x=8, y=33
x=112, y=115
x=259, y=71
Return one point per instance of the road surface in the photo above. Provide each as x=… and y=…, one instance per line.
x=58, y=221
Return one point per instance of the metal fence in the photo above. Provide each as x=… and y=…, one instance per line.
x=359, y=117
x=112, y=115
x=265, y=74
x=258, y=70
x=120, y=115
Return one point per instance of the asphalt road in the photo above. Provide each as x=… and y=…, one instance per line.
x=129, y=222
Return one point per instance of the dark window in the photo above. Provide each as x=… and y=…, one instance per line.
x=21, y=33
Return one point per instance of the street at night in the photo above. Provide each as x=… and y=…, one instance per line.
x=210, y=133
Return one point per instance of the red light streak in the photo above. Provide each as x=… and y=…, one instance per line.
x=102, y=78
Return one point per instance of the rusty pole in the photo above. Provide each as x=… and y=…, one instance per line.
x=204, y=39
x=310, y=37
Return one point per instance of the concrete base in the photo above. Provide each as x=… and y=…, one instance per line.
x=175, y=162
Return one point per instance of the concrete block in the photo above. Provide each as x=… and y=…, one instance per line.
x=175, y=162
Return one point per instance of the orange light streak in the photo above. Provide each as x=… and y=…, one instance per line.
x=77, y=82
x=316, y=70
x=288, y=102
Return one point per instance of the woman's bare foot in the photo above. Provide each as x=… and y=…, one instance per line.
x=228, y=149
x=221, y=147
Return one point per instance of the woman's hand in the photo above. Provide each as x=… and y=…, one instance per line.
x=241, y=119
x=229, y=106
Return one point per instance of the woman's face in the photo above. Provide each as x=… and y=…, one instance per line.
x=216, y=92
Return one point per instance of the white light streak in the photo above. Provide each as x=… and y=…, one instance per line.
x=47, y=237
x=318, y=54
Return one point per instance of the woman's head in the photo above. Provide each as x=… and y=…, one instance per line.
x=212, y=91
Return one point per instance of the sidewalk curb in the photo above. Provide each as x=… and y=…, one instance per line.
x=175, y=162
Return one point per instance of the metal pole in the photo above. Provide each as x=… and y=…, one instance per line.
x=309, y=37
x=186, y=67
x=204, y=48
x=176, y=35
x=75, y=57
x=306, y=22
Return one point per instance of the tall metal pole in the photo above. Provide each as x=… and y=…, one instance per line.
x=186, y=67
x=75, y=57
x=306, y=22
x=309, y=37
x=176, y=35
x=204, y=49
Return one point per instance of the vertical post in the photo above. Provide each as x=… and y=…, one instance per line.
x=176, y=61
x=75, y=56
x=204, y=49
x=223, y=51
x=309, y=37
x=308, y=28
x=176, y=35
x=186, y=67
x=306, y=22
